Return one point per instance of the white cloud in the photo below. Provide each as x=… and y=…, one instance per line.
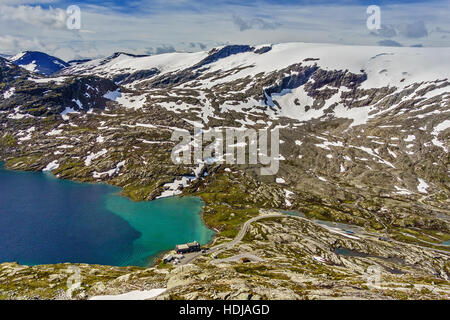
x=253, y=23
x=416, y=29
x=10, y=44
x=34, y=15
x=106, y=29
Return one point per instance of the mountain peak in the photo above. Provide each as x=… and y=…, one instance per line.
x=39, y=62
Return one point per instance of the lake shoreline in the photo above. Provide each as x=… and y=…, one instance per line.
x=152, y=257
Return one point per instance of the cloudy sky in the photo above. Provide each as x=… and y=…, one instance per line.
x=158, y=26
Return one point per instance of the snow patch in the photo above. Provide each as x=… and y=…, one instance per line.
x=112, y=95
x=9, y=93
x=133, y=295
x=51, y=166
x=437, y=130
x=410, y=138
x=54, y=132
x=109, y=173
x=93, y=156
x=402, y=191
x=423, y=186
x=280, y=180
x=287, y=197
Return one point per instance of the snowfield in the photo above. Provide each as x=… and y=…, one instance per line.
x=400, y=66
x=133, y=295
x=163, y=62
x=384, y=66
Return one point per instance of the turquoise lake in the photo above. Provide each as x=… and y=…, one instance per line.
x=44, y=220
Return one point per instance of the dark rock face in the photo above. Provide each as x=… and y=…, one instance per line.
x=79, y=61
x=301, y=76
x=138, y=75
x=337, y=78
x=9, y=72
x=87, y=90
x=215, y=55
x=118, y=54
x=121, y=78
x=295, y=80
x=44, y=99
x=172, y=79
x=263, y=50
x=44, y=63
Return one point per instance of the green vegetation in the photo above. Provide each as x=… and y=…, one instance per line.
x=413, y=240
x=228, y=204
x=227, y=220
x=260, y=270
x=47, y=281
x=73, y=169
x=224, y=190
x=138, y=192
x=26, y=161
x=7, y=140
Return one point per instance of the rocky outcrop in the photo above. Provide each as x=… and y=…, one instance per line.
x=221, y=53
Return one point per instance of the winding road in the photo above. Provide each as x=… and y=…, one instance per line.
x=228, y=245
x=216, y=250
x=225, y=246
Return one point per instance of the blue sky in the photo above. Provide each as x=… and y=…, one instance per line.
x=158, y=26
x=136, y=6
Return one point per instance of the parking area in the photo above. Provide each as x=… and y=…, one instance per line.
x=185, y=258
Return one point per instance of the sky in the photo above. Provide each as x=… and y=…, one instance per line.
x=160, y=26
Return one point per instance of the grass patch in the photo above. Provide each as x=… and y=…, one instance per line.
x=8, y=140
x=227, y=220
x=260, y=270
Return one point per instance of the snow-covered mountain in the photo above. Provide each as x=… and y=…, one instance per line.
x=295, y=80
x=39, y=62
x=383, y=65
x=372, y=121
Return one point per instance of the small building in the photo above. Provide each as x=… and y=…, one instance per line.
x=168, y=258
x=188, y=247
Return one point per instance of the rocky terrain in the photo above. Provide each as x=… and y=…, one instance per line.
x=364, y=141
x=297, y=259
